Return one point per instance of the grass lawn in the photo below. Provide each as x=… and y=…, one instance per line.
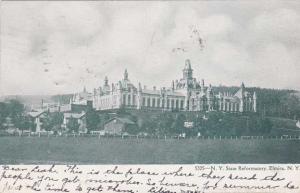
x=83, y=150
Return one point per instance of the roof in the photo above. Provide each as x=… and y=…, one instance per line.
x=35, y=113
x=123, y=120
x=74, y=115
x=158, y=92
x=148, y=91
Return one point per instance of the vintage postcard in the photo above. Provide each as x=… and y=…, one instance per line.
x=150, y=96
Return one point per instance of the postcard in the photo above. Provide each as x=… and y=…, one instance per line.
x=150, y=96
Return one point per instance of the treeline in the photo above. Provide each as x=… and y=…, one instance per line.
x=13, y=112
x=152, y=123
x=207, y=124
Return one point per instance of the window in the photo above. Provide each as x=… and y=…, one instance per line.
x=144, y=101
x=168, y=103
x=133, y=98
x=176, y=104
x=148, y=102
x=181, y=104
x=172, y=103
x=129, y=100
x=163, y=103
x=124, y=99
x=158, y=102
x=153, y=102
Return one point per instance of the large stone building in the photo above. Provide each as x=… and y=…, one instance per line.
x=185, y=94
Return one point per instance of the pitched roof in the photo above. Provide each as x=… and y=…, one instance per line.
x=74, y=115
x=35, y=113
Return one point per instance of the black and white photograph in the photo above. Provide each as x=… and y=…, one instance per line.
x=150, y=82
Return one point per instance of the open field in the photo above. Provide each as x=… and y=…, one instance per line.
x=91, y=150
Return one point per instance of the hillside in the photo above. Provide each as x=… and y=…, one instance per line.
x=272, y=102
x=35, y=100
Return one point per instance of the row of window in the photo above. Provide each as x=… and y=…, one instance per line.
x=162, y=103
x=154, y=102
x=227, y=106
x=107, y=102
x=127, y=100
x=234, y=106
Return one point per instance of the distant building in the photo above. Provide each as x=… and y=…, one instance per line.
x=117, y=125
x=37, y=117
x=185, y=94
x=55, y=107
x=79, y=117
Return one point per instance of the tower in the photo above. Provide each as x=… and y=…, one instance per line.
x=242, y=99
x=187, y=76
x=125, y=75
x=139, y=96
x=119, y=94
x=187, y=71
x=173, y=85
x=202, y=86
x=105, y=81
x=210, y=98
x=106, y=87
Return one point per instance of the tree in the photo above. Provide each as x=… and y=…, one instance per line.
x=92, y=120
x=178, y=126
x=57, y=119
x=266, y=126
x=164, y=124
x=73, y=125
x=47, y=123
x=52, y=120
x=23, y=123
x=146, y=124
x=131, y=128
x=15, y=110
x=3, y=114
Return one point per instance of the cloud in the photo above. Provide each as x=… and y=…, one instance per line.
x=278, y=25
x=58, y=47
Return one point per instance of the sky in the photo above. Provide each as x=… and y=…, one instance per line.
x=60, y=47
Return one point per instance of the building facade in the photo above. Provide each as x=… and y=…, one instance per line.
x=185, y=94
